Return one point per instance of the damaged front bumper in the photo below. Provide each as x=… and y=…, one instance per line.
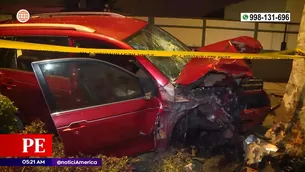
x=214, y=104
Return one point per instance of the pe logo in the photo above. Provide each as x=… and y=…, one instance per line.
x=23, y=16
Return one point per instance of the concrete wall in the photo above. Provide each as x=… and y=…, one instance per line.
x=280, y=70
x=200, y=32
x=232, y=12
x=295, y=7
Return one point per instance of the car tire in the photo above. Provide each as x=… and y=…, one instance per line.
x=179, y=133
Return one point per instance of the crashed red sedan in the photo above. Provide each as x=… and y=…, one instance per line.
x=124, y=105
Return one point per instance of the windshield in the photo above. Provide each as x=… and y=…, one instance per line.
x=154, y=38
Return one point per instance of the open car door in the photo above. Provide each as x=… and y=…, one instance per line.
x=105, y=109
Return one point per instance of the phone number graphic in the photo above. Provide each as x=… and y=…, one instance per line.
x=265, y=17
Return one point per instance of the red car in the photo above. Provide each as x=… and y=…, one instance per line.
x=124, y=105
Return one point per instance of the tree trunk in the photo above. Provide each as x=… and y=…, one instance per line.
x=294, y=88
x=292, y=108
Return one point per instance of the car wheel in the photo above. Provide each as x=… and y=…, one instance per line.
x=179, y=133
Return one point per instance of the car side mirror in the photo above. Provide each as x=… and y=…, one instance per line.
x=147, y=96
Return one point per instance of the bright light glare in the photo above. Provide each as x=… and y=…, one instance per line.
x=48, y=67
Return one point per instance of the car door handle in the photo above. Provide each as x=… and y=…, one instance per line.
x=76, y=125
x=9, y=85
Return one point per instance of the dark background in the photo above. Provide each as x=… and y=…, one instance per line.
x=157, y=8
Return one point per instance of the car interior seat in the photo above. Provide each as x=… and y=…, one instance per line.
x=24, y=62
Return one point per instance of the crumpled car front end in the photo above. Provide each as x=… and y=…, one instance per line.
x=212, y=110
x=206, y=98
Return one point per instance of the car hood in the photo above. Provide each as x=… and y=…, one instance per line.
x=199, y=67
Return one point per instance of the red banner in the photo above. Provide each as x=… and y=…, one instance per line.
x=25, y=145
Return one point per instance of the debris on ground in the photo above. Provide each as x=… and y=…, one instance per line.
x=272, y=150
x=213, y=164
x=255, y=149
x=188, y=167
x=292, y=141
x=276, y=133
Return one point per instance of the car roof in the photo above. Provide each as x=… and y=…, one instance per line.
x=117, y=27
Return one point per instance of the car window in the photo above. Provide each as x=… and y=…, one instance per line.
x=8, y=56
x=26, y=57
x=95, y=83
x=127, y=62
x=155, y=38
x=120, y=60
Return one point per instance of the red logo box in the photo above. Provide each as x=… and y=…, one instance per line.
x=25, y=145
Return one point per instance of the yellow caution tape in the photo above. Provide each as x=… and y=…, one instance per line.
x=300, y=52
x=187, y=54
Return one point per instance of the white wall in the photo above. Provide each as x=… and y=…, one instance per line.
x=295, y=7
x=190, y=31
x=219, y=30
